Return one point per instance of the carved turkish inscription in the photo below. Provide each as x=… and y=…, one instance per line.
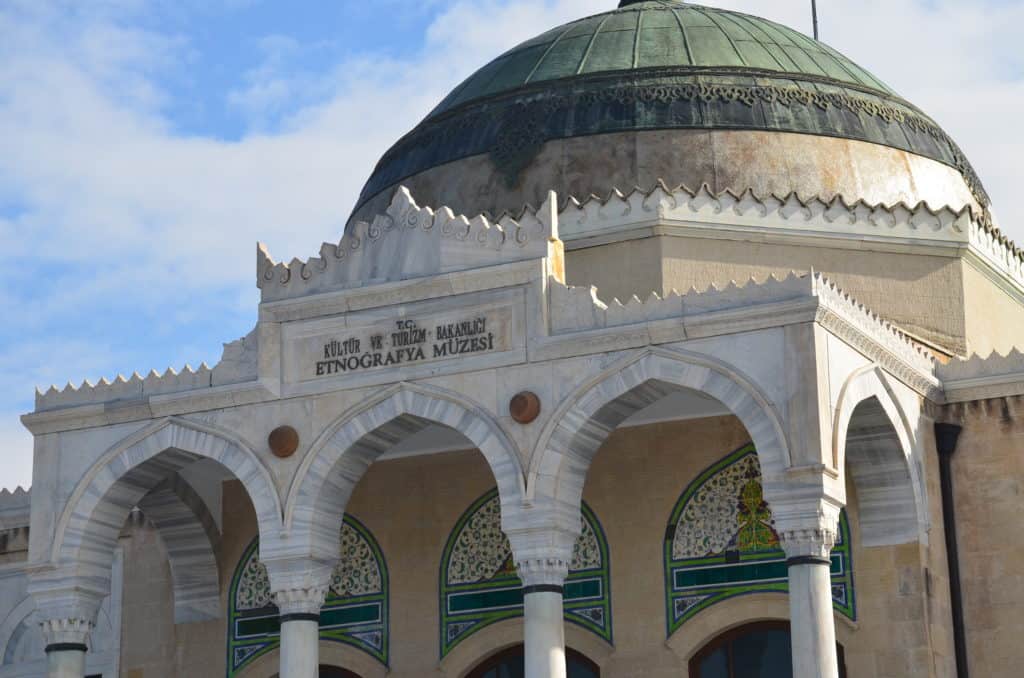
x=403, y=342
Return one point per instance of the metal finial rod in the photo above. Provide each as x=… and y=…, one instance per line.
x=814, y=15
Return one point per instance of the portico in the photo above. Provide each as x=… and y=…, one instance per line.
x=756, y=352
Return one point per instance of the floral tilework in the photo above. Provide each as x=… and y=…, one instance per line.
x=355, y=611
x=479, y=584
x=721, y=543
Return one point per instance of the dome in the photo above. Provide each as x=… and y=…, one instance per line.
x=664, y=90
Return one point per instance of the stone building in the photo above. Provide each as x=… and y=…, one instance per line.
x=554, y=432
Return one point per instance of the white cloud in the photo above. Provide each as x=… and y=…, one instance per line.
x=158, y=218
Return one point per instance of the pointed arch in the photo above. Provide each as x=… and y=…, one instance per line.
x=874, y=442
x=88, y=528
x=190, y=535
x=576, y=432
x=340, y=457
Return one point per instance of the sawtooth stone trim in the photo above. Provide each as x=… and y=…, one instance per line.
x=409, y=241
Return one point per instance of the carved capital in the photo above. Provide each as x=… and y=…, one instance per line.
x=70, y=632
x=807, y=528
x=543, y=571
x=808, y=542
x=302, y=601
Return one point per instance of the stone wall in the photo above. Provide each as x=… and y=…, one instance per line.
x=988, y=479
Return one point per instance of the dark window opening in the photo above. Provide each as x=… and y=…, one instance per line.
x=510, y=663
x=760, y=650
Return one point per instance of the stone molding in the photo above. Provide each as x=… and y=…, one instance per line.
x=578, y=309
x=15, y=507
x=237, y=365
x=813, y=216
x=410, y=241
x=978, y=378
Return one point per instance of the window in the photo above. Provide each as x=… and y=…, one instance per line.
x=510, y=664
x=759, y=650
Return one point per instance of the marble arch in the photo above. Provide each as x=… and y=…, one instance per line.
x=190, y=535
x=336, y=462
x=566, y=449
x=88, y=528
x=874, y=442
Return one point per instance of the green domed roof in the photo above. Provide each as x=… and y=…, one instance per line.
x=660, y=65
x=661, y=33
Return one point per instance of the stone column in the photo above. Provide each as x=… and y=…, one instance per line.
x=808, y=545
x=66, y=644
x=544, y=626
x=298, y=583
x=300, y=631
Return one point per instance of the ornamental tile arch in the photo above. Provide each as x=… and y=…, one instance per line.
x=721, y=543
x=356, y=611
x=479, y=585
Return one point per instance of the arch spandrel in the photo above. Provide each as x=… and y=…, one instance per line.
x=339, y=458
x=586, y=419
x=87, y=529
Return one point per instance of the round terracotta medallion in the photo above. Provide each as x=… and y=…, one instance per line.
x=524, y=407
x=283, y=441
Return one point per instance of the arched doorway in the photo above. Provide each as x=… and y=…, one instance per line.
x=333, y=672
x=759, y=650
x=510, y=664
x=336, y=672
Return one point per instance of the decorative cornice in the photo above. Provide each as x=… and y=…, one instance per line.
x=513, y=126
x=793, y=214
x=682, y=203
x=876, y=337
x=237, y=365
x=15, y=508
x=409, y=241
x=978, y=378
x=578, y=310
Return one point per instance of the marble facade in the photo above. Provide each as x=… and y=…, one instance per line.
x=426, y=323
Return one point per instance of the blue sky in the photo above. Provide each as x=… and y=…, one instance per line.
x=146, y=145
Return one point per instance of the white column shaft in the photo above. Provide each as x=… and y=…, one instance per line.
x=812, y=623
x=544, y=633
x=300, y=649
x=65, y=664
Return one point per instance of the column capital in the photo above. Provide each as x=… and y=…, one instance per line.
x=807, y=528
x=67, y=611
x=543, y=572
x=67, y=633
x=300, y=601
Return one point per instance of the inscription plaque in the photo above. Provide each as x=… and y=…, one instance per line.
x=404, y=342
